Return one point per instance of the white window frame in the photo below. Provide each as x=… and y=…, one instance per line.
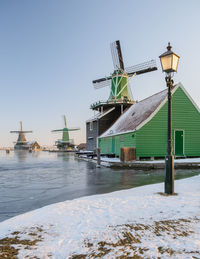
x=91, y=125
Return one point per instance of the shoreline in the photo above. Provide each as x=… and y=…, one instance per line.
x=184, y=163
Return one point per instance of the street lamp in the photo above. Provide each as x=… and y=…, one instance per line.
x=169, y=62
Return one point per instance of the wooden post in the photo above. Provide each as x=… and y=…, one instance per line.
x=127, y=154
x=98, y=157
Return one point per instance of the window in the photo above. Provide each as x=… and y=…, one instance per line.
x=122, y=138
x=91, y=125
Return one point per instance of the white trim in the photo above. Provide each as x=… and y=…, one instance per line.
x=124, y=132
x=164, y=101
x=156, y=111
x=183, y=141
x=91, y=125
x=149, y=118
x=90, y=137
x=189, y=96
x=127, y=84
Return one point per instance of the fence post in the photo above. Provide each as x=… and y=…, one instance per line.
x=98, y=157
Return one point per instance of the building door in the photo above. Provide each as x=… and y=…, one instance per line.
x=113, y=145
x=179, y=143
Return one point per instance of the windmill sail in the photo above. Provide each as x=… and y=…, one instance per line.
x=119, y=80
x=142, y=68
x=102, y=82
x=117, y=55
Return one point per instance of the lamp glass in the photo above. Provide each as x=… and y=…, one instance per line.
x=166, y=62
x=175, y=62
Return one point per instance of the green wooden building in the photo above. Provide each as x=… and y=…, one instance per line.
x=144, y=126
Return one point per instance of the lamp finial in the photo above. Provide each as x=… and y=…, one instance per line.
x=169, y=46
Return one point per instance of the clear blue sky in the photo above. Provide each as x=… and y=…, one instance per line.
x=51, y=50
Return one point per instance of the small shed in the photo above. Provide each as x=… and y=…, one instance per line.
x=35, y=146
x=144, y=126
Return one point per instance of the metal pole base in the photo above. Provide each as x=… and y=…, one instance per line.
x=169, y=176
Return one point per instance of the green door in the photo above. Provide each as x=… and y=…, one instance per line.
x=113, y=145
x=179, y=143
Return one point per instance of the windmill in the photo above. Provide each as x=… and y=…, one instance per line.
x=21, y=141
x=118, y=81
x=120, y=97
x=65, y=142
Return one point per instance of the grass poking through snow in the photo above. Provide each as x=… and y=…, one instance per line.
x=142, y=240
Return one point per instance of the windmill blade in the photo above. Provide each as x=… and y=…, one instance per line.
x=19, y=131
x=21, y=125
x=117, y=55
x=57, y=130
x=65, y=121
x=73, y=129
x=142, y=68
x=102, y=82
x=65, y=129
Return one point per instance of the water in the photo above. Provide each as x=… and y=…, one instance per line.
x=32, y=180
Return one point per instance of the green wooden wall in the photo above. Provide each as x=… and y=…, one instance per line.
x=151, y=139
x=112, y=145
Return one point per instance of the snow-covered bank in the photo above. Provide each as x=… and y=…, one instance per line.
x=75, y=227
x=182, y=160
x=180, y=163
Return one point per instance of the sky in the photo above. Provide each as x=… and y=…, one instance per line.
x=51, y=50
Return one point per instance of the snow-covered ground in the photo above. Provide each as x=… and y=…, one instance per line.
x=182, y=160
x=139, y=221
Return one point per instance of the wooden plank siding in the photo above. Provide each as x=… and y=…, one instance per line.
x=123, y=140
x=151, y=139
x=189, y=116
x=105, y=144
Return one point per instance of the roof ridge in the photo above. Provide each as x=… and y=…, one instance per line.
x=136, y=109
x=152, y=95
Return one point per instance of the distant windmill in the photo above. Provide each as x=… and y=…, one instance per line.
x=119, y=80
x=65, y=142
x=21, y=141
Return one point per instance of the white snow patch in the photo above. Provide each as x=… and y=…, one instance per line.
x=182, y=160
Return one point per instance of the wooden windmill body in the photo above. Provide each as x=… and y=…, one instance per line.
x=21, y=143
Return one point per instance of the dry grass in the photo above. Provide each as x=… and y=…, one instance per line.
x=123, y=241
x=130, y=238
x=10, y=246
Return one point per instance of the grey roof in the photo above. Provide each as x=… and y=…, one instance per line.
x=100, y=115
x=138, y=114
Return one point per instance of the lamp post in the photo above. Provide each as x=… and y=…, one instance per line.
x=169, y=62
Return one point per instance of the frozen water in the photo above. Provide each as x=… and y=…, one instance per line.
x=32, y=180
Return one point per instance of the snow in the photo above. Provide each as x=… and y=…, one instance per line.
x=137, y=114
x=182, y=160
x=141, y=112
x=66, y=227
